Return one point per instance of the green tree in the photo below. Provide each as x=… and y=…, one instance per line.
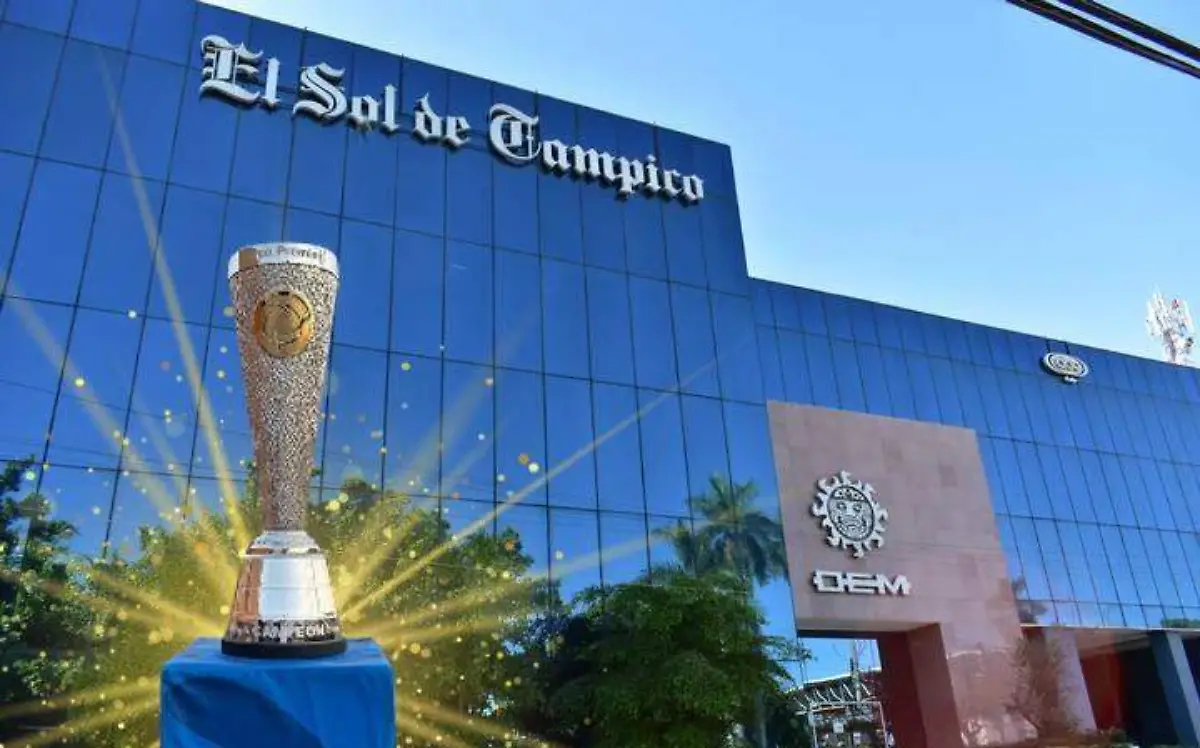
x=669, y=661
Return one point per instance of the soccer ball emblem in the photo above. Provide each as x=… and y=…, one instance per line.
x=283, y=323
x=849, y=512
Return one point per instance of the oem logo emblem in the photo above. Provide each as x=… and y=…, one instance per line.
x=849, y=512
x=1070, y=368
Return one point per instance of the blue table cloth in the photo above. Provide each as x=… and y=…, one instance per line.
x=211, y=700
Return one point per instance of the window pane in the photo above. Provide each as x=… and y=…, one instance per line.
x=354, y=422
x=1009, y=470
x=29, y=375
x=837, y=315
x=519, y=310
x=204, y=141
x=685, y=252
x=704, y=439
x=574, y=551
x=15, y=173
x=317, y=152
x=80, y=120
x=623, y=549
x=148, y=122
x=516, y=208
x=608, y=314
x=618, y=457
x=469, y=175
x=143, y=501
x=821, y=371
x=560, y=217
x=58, y=216
x=21, y=129
x=468, y=464
x=695, y=341
x=118, y=267
x=370, y=184
x=603, y=230
x=768, y=360
x=564, y=309
x=646, y=252
x=84, y=498
x=750, y=452
x=366, y=272
x=653, y=343
x=229, y=439
x=89, y=422
x=261, y=155
x=887, y=325
x=162, y=29
x=413, y=424
x=724, y=255
x=849, y=379
x=417, y=294
x=797, y=385
x=733, y=322
x=421, y=185
x=785, y=307
x=870, y=364
x=531, y=526
x=469, y=302
x=520, y=437
x=899, y=384
x=163, y=420
x=571, y=459
x=924, y=388
x=189, y=255
x=1036, y=586
x=664, y=463
x=246, y=222
x=1055, y=562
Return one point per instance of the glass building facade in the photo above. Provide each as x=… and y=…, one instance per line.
x=502, y=330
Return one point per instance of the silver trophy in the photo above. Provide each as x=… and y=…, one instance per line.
x=283, y=300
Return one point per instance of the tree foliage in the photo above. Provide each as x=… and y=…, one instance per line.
x=1039, y=694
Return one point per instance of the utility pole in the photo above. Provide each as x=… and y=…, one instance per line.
x=1170, y=322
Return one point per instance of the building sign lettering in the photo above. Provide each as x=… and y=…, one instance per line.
x=240, y=76
x=861, y=583
x=854, y=520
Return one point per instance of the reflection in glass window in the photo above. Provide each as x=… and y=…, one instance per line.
x=695, y=341
x=870, y=364
x=737, y=357
x=603, y=230
x=317, y=152
x=724, y=255
x=417, y=294
x=516, y=209
x=1057, y=494
x=565, y=321
x=685, y=252
x=83, y=497
x=1033, y=477
x=354, y=417
x=420, y=185
x=849, y=378
x=653, y=342
x=190, y=254
x=574, y=551
x=520, y=437
x=776, y=600
x=89, y=421
x=38, y=53
x=662, y=550
x=413, y=423
x=141, y=142
x=366, y=275
x=468, y=462
x=469, y=179
x=29, y=375
x=559, y=211
x=610, y=333
x=1016, y=500
x=750, y=452
x=162, y=419
x=1055, y=562
x=118, y=266
x=797, y=386
x=80, y=120
x=991, y=469
x=227, y=445
x=518, y=310
x=370, y=184
x=899, y=386
x=571, y=462
x=467, y=518
x=261, y=155
x=50, y=254
x=645, y=250
x=664, y=463
x=531, y=526
x=1036, y=586
x=1118, y=560
x=618, y=448
x=933, y=330
x=144, y=501
x=622, y=547
x=704, y=439
x=925, y=392
x=469, y=307
x=206, y=133
x=1079, y=559
x=946, y=392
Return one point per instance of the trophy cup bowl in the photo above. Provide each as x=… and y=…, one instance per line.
x=283, y=300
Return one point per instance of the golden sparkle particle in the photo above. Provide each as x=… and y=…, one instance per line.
x=80, y=381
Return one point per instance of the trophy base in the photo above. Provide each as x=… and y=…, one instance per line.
x=283, y=606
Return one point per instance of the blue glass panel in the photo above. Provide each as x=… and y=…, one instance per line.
x=246, y=222
x=575, y=551
x=421, y=79
x=94, y=394
x=1036, y=585
x=414, y=407
x=58, y=215
x=354, y=426
x=664, y=463
x=1114, y=411
x=29, y=375
x=21, y=128
x=281, y=42
x=570, y=457
x=1147, y=426
x=623, y=547
x=313, y=228
x=761, y=296
x=714, y=163
x=1146, y=586
x=724, y=255
x=1014, y=407
x=1000, y=342
x=993, y=405
x=468, y=462
x=1101, y=501
x=645, y=245
x=1155, y=500
x=417, y=294
x=1012, y=557
x=1064, y=414
x=704, y=439
x=516, y=208
x=1098, y=563
x=518, y=310
x=1187, y=572
x=370, y=181
x=1033, y=393
x=557, y=119
x=837, y=316
x=900, y=389
x=987, y=455
x=15, y=173
x=733, y=320
x=849, y=379
x=935, y=335
x=321, y=48
x=610, y=333
x=785, y=307
x=597, y=129
x=366, y=268
x=469, y=172
x=979, y=345
x=653, y=342
x=1093, y=407
x=924, y=388
x=162, y=30
x=862, y=321
x=1156, y=543
x=821, y=371
x=530, y=524
x=811, y=309
x=887, y=325
x=618, y=458
x=603, y=230
x=148, y=121
x=695, y=340
x=1033, y=478
x=969, y=397
x=1078, y=560
x=560, y=214
x=520, y=437
x=213, y=19
x=226, y=445
x=420, y=186
x=1075, y=485
x=1055, y=563
x=107, y=22
x=1054, y=480
x=469, y=306
x=1009, y=469
x=48, y=15
x=565, y=318
x=797, y=383
x=80, y=120
x=1115, y=367
x=685, y=250
x=1118, y=490
x=946, y=392
x=318, y=151
x=956, y=339
x=769, y=362
x=750, y=453
x=910, y=330
x=207, y=126
x=1139, y=373
x=1178, y=479
x=117, y=272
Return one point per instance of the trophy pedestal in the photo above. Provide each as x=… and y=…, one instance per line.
x=209, y=699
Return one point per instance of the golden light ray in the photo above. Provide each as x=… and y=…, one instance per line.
x=166, y=281
x=82, y=698
x=479, y=725
x=101, y=418
x=194, y=621
x=91, y=722
x=413, y=724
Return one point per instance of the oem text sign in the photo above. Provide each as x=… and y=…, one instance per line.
x=235, y=74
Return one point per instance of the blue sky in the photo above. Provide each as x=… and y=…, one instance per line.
x=961, y=158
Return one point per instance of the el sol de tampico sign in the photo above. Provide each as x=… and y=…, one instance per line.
x=237, y=75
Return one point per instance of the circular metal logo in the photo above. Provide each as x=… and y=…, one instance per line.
x=1070, y=368
x=849, y=511
x=283, y=323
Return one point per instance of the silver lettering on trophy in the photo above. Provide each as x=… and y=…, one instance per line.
x=227, y=67
x=321, y=96
x=861, y=583
x=431, y=127
x=513, y=134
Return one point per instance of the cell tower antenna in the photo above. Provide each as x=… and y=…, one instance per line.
x=1171, y=323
